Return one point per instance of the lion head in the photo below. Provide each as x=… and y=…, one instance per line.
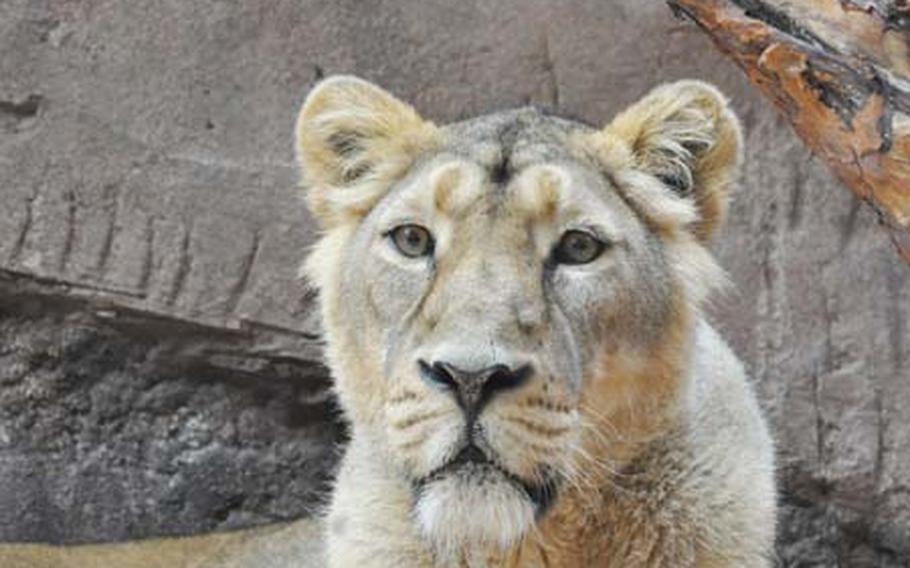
x=495, y=291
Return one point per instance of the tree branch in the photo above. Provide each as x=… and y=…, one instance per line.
x=839, y=70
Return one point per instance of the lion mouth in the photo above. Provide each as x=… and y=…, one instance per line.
x=473, y=463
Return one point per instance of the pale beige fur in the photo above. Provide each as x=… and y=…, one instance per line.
x=637, y=412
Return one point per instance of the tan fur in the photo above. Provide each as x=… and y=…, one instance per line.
x=636, y=410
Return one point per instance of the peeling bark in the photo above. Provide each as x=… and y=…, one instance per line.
x=839, y=70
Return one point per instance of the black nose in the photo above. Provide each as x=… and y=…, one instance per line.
x=473, y=389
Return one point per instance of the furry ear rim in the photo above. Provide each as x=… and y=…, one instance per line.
x=353, y=139
x=686, y=136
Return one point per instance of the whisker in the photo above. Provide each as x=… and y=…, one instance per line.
x=402, y=397
x=543, y=448
x=411, y=421
x=546, y=405
x=549, y=431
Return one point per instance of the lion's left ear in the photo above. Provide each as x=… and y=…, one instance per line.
x=353, y=141
x=686, y=136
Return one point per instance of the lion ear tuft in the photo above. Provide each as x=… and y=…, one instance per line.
x=686, y=136
x=353, y=141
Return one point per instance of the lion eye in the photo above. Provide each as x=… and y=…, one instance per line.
x=578, y=247
x=412, y=240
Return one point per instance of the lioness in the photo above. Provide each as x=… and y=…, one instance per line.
x=512, y=307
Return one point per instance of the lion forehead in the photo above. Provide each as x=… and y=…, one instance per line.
x=507, y=142
x=521, y=162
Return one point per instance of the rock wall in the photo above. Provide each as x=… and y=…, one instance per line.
x=159, y=360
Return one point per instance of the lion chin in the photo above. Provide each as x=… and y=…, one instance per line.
x=472, y=502
x=463, y=510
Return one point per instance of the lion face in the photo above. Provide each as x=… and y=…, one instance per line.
x=492, y=288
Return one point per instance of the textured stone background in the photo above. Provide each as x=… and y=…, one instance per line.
x=158, y=359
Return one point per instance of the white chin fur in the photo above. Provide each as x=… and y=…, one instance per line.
x=460, y=512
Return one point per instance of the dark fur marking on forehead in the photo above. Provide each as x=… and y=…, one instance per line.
x=502, y=171
x=504, y=143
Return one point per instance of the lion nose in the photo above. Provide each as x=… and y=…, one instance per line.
x=473, y=389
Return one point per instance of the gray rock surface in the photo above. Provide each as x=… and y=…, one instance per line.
x=157, y=346
x=115, y=425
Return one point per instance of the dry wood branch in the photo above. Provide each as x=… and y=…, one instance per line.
x=839, y=70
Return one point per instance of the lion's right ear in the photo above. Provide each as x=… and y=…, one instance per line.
x=353, y=141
